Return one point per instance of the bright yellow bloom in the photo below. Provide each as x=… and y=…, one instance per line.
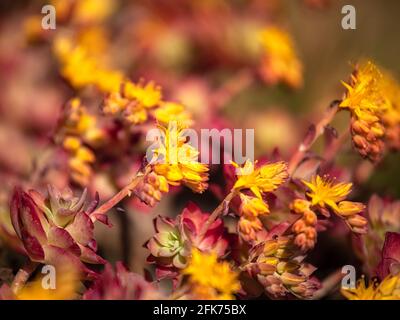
x=367, y=103
x=325, y=192
x=92, y=11
x=177, y=160
x=253, y=206
x=280, y=62
x=171, y=111
x=206, y=274
x=364, y=91
x=388, y=289
x=266, y=178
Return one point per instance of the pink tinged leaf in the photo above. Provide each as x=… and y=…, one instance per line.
x=163, y=224
x=61, y=257
x=81, y=229
x=89, y=256
x=29, y=218
x=14, y=209
x=32, y=246
x=390, y=255
x=61, y=238
x=102, y=218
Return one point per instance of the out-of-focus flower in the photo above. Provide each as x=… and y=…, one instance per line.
x=82, y=69
x=209, y=278
x=67, y=280
x=391, y=117
x=388, y=289
x=325, y=194
x=177, y=160
x=120, y=284
x=171, y=246
x=133, y=101
x=137, y=102
x=279, y=61
x=364, y=98
x=78, y=133
x=65, y=287
x=278, y=266
x=55, y=230
x=266, y=178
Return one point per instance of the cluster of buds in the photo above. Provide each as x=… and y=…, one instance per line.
x=249, y=224
x=278, y=266
x=151, y=188
x=78, y=133
x=120, y=284
x=171, y=246
x=57, y=229
x=252, y=185
x=366, y=102
x=280, y=62
x=304, y=228
x=136, y=102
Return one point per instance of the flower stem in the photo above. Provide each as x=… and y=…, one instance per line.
x=312, y=135
x=218, y=211
x=124, y=192
x=22, y=276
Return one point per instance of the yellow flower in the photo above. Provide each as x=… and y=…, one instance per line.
x=171, y=111
x=367, y=104
x=363, y=92
x=206, y=272
x=388, y=289
x=177, y=160
x=266, y=178
x=325, y=192
x=280, y=62
x=82, y=69
x=252, y=206
x=76, y=132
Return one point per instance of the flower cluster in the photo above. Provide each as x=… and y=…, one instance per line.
x=136, y=102
x=372, y=99
x=210, y=279
x=280, y=62
x=252, y=185
x=175, y=162
x=278, y=266
x=78, y=134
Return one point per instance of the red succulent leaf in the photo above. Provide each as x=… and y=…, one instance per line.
x=61, y=238
x=81, y=229
x=390, y=261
